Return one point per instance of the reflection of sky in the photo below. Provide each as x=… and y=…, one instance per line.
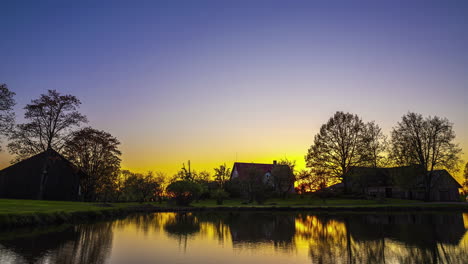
x=215, y=82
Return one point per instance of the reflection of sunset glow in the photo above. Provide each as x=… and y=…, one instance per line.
x=259, y=237
x=465, y=220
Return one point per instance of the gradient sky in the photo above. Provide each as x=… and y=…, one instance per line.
x=252, y=81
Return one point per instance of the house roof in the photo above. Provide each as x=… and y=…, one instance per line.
x=243, y=168
x=37, y=161
x=383, y=176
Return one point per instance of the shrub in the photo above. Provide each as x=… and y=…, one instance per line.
x=234, y=188
x=220, y=195
x=184, y=192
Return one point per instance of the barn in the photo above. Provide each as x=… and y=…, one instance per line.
x=402, y=183
x=45, y=176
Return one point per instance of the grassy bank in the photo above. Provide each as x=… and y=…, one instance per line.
x=32, y=212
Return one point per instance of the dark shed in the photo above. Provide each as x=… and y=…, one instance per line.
x=45, y=176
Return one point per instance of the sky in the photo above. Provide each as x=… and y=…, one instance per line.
x=216, y=82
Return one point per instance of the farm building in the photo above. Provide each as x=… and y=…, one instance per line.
x=265, y=173
x=401, y=182
x=45, y=176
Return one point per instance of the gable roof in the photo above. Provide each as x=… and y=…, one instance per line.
x=47, y=175
x=38, y=161
x=384, y=176
x=243, y=168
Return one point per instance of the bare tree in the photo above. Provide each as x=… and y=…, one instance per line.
x=341, y=144
x=51, y=118
x=377, y=145
x=426, y=142
x=96, y=153
x=7, y=116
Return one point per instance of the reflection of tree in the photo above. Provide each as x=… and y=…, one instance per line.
x=90, y=243
x=402, y=238
x=93, y=246
x=182, y=226
x=326, y=236
x=275, y=228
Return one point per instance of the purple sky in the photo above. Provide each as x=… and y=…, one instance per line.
x=219, y=81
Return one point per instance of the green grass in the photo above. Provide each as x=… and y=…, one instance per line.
x=296, y=200
x=10, y=206
x=35, y=207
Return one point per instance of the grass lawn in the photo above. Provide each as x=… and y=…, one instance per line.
x=10, y=206
x=305, y=201
x=25, y=207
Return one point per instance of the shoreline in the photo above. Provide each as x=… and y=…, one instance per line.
x=13, y=220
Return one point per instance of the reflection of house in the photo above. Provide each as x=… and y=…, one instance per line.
x=421, y=230
x=45, y=176
x=261, y=227
x=264, y=173
x=87, y=243
x=401, y=182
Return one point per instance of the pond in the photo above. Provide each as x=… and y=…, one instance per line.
x=246, y=237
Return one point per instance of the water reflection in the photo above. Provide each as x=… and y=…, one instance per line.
x=89, y=243
x=209, y=237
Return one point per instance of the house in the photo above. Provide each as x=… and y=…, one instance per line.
x=265, y=174
x=45, y=176
x=401, y=182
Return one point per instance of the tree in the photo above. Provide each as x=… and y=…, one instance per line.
x=184, y=192
x=7, y=116
x=425, y=142
x=222, y=175
x=51, y=119
x=465, y=176
x=96, y=153
x=161, y=179
x=341, y=144
x=185, y=174
x=377, y=144
x=283, y=177
x=313, y=181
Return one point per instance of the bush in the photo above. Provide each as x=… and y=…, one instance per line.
x=234, y=188
x=184, y=192
x=220, y=195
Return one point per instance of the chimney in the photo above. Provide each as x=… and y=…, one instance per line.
x=274, y=162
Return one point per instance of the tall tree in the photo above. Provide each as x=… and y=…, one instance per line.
x=50, y=121
x=377, y=144
x=96, y=153
x=341, y=144
x=222, y=175
x=426, y=142
x=7, y=116
x=465, y=176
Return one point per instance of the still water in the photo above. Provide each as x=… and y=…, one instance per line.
x=246, y=237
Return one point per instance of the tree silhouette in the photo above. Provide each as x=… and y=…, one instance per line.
x=7, y=116
x=283, y=177
x=377, y=144
x=465, y=176
x=426, y=142
x=222, y=175
x=51, y=118
x=96, y=153
x=341, y=144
